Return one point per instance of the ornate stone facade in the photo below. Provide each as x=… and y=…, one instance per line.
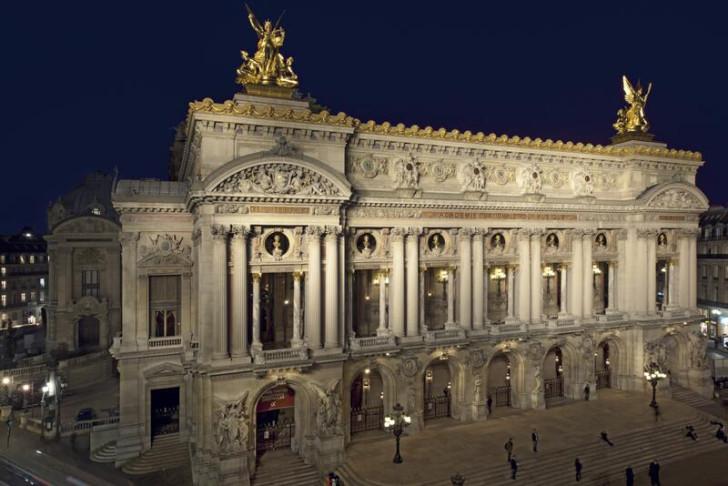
x=432, y=259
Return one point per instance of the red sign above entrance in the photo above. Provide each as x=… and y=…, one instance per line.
x=276, y=398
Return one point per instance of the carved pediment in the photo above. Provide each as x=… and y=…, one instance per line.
x=165, y=250
x=278, y=178
x=164, y=369
x=676, y=199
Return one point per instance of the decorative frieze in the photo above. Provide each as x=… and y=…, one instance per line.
x=278, y=178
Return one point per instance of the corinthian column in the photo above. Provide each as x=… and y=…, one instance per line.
x=256, y=345
x=465, y=278
x=332, y=288
x=588, y=273
x=611, y=296
x=296, y=341
x=128, y=283
x=524, y=280
x=576, y=282
x=396, y=289
x=382, y=329
x=511, y=269
x=479, y=297
x=450, y=299
x=683, y=266
x=651, y=238
x=693, y=257
x=536, y=278
x=239, y=291
x=413, y=300
x=219, y=237
x=562, y=290
x=313, y=288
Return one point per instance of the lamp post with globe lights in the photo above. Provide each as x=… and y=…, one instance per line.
x=653, y=375
x=396, y=423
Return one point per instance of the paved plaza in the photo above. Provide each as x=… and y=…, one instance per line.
x=567, y=431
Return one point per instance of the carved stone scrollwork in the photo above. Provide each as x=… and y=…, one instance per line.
x=128, y=238
x=219, y=231
x=165, y=250
x=677, y=199
x=405, y=173
x=476, y=358
x=370, y=166
x=238, y=231
x=582, y=183
x=531, y=179
x=314, y=232
x=409, y=367
x=441, y=170
x=329, y=414
x=397, y=234
x=231, y=425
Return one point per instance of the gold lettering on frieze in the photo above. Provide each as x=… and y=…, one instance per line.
x=499, y=216
x=280, y=209
x=671, y=217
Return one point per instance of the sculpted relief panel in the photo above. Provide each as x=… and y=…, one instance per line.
x=278, y=178
x=676, y=198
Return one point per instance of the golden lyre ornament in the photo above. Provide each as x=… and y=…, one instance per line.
x=631, y=119
x=267, y=67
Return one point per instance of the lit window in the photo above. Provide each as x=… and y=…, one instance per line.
x=2, y=258
x=4, y=300
x=90, y=283
x=32, y=258
x=3, y=284
x=96, y=211
x=23, y=297
x=42, y=280
x=3, y=317
x=164, y=305
x=21, y=259
x=3, y=271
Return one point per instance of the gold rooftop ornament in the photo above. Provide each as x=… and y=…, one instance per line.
x=631, y=120
x=268, y=72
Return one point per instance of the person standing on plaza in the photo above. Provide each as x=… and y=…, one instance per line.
x=577, y=467
x=534, y=440
x=587, y=391
x=509, y=448
x=654, y=473
x=605, y=438
x=514, y=467
x=629, y=475
x=489, y=404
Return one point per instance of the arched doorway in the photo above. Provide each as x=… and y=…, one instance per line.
x=438, y=387
x=275, y=419
x=603, y=366
x=367, y=402
x=88, y=333
x=499, y=380
x=553, y=375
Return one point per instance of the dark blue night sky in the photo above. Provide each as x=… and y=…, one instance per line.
x=93, y=85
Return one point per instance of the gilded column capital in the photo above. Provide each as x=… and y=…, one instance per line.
x=256, y=275
x=297, y=275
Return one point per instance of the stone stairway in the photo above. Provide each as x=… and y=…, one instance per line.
x=691, y=398
x=106, y=453
x=285, y=468
x=665, y=442
x=167, y=452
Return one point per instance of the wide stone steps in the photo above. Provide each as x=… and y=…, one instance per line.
x=167, y=452
x=106, y=453
x=689, y=397
x=285, y=468
x=665, y=442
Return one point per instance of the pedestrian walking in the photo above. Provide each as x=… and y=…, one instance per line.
x=489, y=404
x=605, y=438
x=691, y=432
x=587, y=390
x=720, y=432
x=629, y=476
x=654, y=473
x=534, y=440
x=509, y=448
x=577, y=467
x=514, y=467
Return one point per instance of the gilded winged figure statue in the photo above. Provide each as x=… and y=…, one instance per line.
x=632, y=118
x=267, y=66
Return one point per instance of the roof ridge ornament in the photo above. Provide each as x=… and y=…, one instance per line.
x=267, y=72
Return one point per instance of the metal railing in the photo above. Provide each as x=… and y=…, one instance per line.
x=367, y=418
x=553, y=388
x=437, y=407
x=165, y=342
x=274, y=437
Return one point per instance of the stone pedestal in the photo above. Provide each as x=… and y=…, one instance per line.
x=478, y=411
x=329, y=452
x=234, y=470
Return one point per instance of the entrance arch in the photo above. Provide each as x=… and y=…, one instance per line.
x=437, y=390
x=553, y=375
x=88, y=333
x=367, y=402
x=603, y=365
x=275, y=419
x=499, y=380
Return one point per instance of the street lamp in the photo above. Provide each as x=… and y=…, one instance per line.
x=653, y=375
x=396, y=423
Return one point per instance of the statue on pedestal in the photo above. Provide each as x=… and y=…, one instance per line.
x=632, y=119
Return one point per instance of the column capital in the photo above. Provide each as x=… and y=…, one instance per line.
x=332, y=232
x=297, y=275
x=397, y=234
x=621, y=234
x=219, y=232
x=128, y=238
x=413, y=231
x=588, y=233
x=238, y=231
x=479, y=233
x=647, y=233
x=314, y=232
x=256, y=275
x=523, y=234
x=465, y=233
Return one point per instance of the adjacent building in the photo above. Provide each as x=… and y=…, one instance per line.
x=304, y=271
x=84, y=303
x=23, y=279
x=713, y=271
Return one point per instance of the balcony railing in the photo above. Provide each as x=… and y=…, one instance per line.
x=165, y=342
x=372, y=342
x=271, y=356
